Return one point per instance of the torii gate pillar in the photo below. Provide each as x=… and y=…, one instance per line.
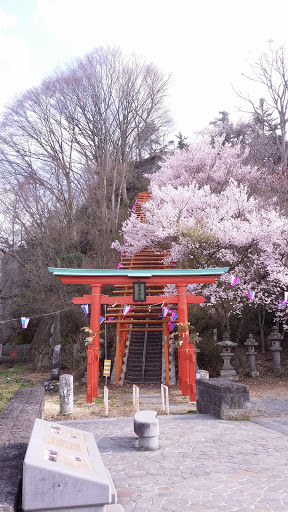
x=183, y=356
x=93, y=353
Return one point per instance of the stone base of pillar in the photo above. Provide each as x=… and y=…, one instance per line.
x=279, y=371
x=254, y=374
x=229, y=375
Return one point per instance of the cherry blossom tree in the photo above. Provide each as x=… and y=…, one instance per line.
x=203, y=211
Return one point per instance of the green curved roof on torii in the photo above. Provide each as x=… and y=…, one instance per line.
x=89, y=272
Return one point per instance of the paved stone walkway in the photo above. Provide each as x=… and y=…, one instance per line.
x=203, y=464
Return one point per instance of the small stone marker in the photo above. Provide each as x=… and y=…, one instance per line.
x=66, y=394
x=63, y=469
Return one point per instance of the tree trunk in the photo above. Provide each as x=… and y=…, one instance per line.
x=124, y=184
x=261, y=320
x=239, y=328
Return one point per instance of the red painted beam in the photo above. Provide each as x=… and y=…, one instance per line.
x=155, y=280
x=158, y=299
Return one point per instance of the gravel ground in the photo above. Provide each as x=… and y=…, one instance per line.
x=268, y=407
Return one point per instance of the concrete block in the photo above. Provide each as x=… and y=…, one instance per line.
x=223, y=398
x=63, y=469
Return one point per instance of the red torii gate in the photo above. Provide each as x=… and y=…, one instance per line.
x=96, y=278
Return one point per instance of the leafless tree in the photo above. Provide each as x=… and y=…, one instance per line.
x=77, y=134
x=120, y=107
x=270, y=71
x=67, y=148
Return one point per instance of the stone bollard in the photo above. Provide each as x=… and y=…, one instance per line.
x=276, y=339
x=251, y=344
x=66, y=394
x=146, y=427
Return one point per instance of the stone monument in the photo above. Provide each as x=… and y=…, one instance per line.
x=52, y=384
x=63, y=470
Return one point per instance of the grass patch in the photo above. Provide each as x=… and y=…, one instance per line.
x=97, y=400
x=11, y=379
x=6, y=394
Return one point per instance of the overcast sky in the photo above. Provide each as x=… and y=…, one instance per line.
x=205, y=44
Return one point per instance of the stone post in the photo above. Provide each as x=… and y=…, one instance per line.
x=106, y=407
x=136, y=398
x=66, y=394
x=227, y=371
x=251, y=344
x=275, y=339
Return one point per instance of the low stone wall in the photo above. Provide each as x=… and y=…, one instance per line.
x=224, y=399
x=16, y=424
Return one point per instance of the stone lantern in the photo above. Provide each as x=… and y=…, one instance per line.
x=227, y=371
x=251, y=344
x=200, y=374
x=275, y=339
x=196, y=349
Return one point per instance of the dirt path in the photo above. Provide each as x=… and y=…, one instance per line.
x=120, y=403
x=265, y=401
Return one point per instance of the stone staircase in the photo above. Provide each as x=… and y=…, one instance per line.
x=145, y=358
x=153, y=360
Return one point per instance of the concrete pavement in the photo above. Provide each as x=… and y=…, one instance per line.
x=203, y=464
